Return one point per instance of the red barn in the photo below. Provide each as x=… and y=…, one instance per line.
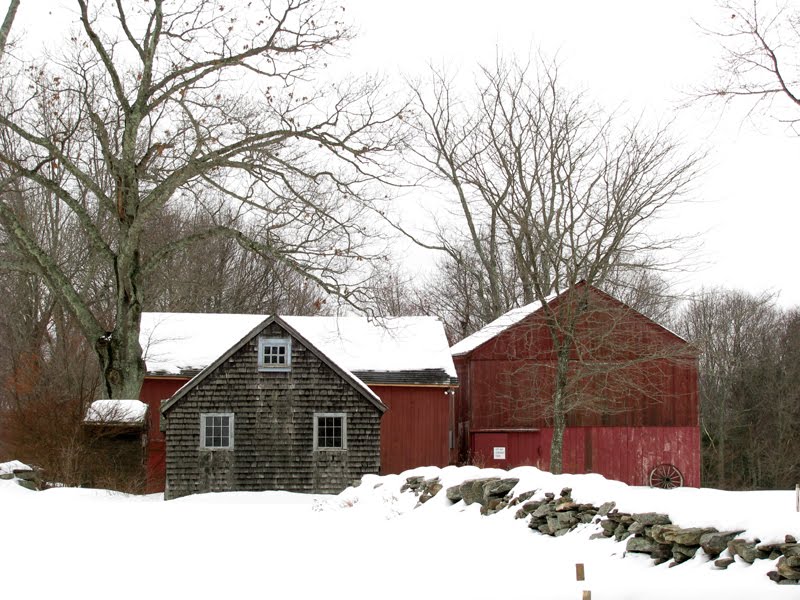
x=405, y=361
x=632, y=392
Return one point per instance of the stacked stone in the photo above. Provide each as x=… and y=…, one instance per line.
x=788, y=566
x=648, y=533
x=557, y=516
x=656, y=535
x=27, y=478
x=492, y=493
x=424, y=488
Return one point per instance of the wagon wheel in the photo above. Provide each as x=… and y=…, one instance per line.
x=666, y=476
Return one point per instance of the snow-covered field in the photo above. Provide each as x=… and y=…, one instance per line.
x=368, y=542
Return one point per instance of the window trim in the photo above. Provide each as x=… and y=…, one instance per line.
x=263, y=342
x=317, y=416
x=231, y=429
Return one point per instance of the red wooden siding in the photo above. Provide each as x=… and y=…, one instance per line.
x=154, y=390
x=521, y=448
x=624, y=453
x=647, y=374
x=415, y=431
x=505, y=394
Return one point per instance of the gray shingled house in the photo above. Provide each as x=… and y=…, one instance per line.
x=273, y=412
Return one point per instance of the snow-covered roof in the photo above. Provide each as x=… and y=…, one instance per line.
x=496, y=327
x=393, y=344
x=116, y=411
x=178, y=342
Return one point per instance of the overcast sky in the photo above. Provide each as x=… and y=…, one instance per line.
x=642, y=56
x=646, y=57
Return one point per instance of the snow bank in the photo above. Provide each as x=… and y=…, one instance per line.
x=372, y=541
x=9, y=467
x=766, y=515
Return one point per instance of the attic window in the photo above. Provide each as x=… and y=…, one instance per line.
x=216, y=431
x=274, y=354
x=330, y=431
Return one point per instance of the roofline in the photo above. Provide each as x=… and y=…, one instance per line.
x=418, y=385
x=359, y=385
x=589, y=286
x=486, y=341
x=653, y=321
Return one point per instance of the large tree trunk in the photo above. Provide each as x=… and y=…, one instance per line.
x=119, y=351
x=559, y=411
x=120, y=355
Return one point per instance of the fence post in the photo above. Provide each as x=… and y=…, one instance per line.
x=580, y=575
x=797, y=497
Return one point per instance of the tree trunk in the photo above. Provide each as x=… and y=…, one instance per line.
x=119, y=351
x=120, y=355
x=559, y=411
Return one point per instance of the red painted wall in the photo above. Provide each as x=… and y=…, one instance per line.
x=415, y=430
x=627, y=454
x=154, y=390
x=507, y=384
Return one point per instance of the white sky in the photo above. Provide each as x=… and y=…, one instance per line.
x=640, y=55
x=644, y=56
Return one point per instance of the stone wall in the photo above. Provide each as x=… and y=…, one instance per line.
x=26, y=476
x=648, y=533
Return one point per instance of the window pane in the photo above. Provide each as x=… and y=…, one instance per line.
x=217, y=431
x=329, y=432
x=275, y=353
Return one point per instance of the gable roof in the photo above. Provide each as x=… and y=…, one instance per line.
x=498, y=326
x=394, y=349
x=354, y=381
x=516, y=315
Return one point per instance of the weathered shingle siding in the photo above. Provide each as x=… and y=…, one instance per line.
x=273, y=428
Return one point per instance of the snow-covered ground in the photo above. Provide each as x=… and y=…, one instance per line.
x=368, y=542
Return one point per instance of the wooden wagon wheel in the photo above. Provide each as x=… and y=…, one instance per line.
x=666, y=476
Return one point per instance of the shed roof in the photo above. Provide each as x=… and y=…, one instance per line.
x=185, y=343
x=116, y=412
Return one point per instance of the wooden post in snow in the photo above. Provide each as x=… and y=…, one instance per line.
x=580, y=575
x=797, y=497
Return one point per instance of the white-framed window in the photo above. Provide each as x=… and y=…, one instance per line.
x=216, y=431
x=330, y=431
x=274, y=354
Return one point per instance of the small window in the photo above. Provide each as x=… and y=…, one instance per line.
x=274, y=354
x=330, y=431
x=216, y=431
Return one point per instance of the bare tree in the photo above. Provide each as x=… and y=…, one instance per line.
x=549, y=189
x=749, y=398
x=759, y=64
x=219, y=276
x=153, y=105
